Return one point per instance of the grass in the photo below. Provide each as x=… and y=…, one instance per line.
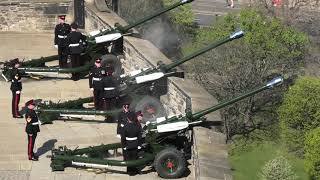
x=247, y=164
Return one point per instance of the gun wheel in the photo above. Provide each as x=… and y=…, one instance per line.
x=170, y=163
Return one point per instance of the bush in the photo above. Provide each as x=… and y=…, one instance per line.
x=277, y=169
x=312, y=155
x=300, y=113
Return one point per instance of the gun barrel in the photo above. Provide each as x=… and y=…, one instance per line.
x=79, y=111
x=233, y=36
x=269, y=85
x=41, y=60
x=55, y=69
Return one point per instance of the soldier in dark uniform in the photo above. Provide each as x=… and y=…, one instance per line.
x=110, y=90
x=75, y=42
x=61, y=31
x=96, y=76
x=131, y=141
x=122, y=117
x=32, y=128
x=16, y=87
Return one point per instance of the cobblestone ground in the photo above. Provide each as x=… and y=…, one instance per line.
x=13, y=148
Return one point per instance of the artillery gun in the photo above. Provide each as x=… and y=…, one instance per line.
x=96, y=46
x=133, y=87
x=167, y=142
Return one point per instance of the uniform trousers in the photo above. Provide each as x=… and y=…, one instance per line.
x=15, y=103
x=63, y=57
x=31, y=141
x=131, y=154
x=75, y=62
x=98, y=99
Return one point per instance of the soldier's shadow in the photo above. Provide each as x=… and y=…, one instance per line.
x=47, y=146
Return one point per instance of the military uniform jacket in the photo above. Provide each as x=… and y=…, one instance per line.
x=75, y=42
x=122, y=120
x=61, y=31
x=131, y=135
x=110, y=87
x=96, y=78
x=32, y=127
x=16, y=84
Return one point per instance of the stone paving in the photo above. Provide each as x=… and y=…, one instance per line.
x=13, y=149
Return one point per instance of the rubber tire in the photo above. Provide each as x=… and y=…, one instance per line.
x=173, y=153
x=114, y=61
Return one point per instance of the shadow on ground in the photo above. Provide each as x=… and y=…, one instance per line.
x=47, y=146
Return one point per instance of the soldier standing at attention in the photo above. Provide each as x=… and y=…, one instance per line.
x=131, y=142
x=122, y=118
x=75, y=42
x=32, y=128
x=61, y=31
x=96, y=83
x=16, y=87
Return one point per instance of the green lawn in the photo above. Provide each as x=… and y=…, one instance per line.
x=246, y=165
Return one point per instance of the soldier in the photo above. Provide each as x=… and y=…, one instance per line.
x=16, y=87
x=96, y=83
x=139, y=117
x=61, y=31
x=32, y=128
x=75, y=42
x=110, y=90
x=122, y=117
x=131, y=141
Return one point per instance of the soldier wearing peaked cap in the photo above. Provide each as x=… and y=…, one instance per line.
x=16, y=87
x=122, y=117
x=61, y=31
x=32, y=128
x=96, y=76
x=75, y=45
x=131, y=141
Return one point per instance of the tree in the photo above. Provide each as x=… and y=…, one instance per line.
x=300, y=113
x=269, y=48
x=277, y=169
x=312, y=156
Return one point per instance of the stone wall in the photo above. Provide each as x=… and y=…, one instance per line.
x=31, y=15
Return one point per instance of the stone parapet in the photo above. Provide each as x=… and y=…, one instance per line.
x=31, y=15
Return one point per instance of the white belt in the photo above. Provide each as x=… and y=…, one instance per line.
x=131, y=139
x=74, y=45
x=62, y=37
x=109, y=88
x=96, y=79
x=36, y=123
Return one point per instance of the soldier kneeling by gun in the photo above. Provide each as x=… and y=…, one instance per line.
x=131, y=141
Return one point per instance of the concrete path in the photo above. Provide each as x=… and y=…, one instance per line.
x=206, y=10
x=13, y=149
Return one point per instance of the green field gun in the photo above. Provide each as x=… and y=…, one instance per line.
x=166, y=147
x=96, y=45
x=134, y=86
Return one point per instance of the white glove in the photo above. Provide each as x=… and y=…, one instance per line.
x=18, y=92
x=139, y=147
x=124, y=148
x=118, y=136
x=39, y=122
x=56, y=46
x=91, y=89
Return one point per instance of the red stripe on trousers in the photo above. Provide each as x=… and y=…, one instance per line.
x=16, y=104
x=29, y=147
